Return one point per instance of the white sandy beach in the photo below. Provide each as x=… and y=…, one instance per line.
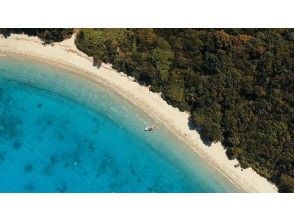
x=67, y=54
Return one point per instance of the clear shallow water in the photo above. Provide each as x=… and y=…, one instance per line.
x=86, y=140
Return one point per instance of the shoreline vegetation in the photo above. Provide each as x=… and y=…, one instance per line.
x=128, y=50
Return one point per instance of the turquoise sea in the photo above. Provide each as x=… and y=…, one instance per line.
x=62, y=133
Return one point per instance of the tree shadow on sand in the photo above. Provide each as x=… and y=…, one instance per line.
x=194, y=127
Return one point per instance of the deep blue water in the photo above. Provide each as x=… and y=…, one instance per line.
x=62, y=133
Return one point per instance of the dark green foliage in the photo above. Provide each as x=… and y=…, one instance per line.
x=48, y=35
x=287, y=184
x=237, y=84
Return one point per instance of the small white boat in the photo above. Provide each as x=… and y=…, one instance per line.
x=149, y=128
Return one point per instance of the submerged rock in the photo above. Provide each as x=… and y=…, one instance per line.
x=28, y=168
x=30, y=187
x=2, y=155
x=62, y=188
x=16, y=145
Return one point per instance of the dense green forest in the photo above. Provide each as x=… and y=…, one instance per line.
x=237, y=85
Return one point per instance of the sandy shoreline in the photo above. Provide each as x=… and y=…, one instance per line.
x=66, y=54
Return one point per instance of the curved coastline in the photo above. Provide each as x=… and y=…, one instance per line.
x=66, y=55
